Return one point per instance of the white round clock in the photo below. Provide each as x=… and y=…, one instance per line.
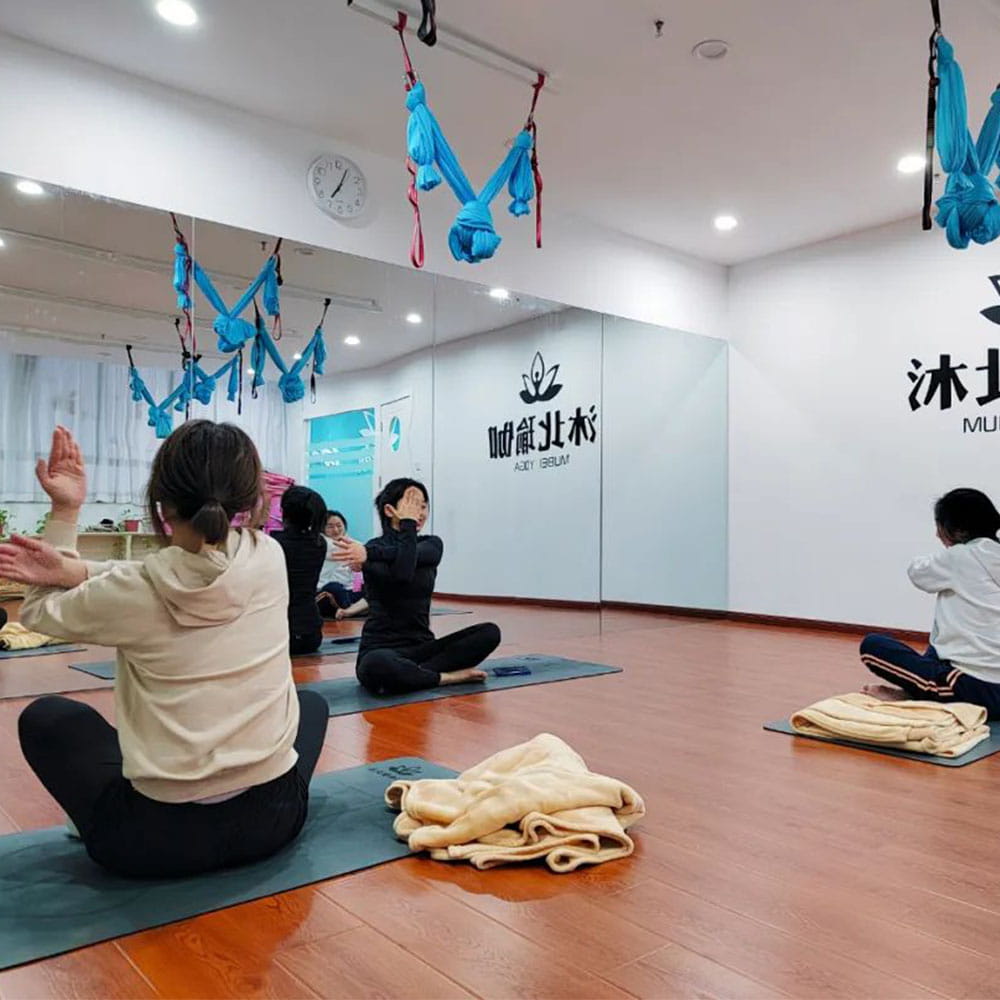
x=338, y=186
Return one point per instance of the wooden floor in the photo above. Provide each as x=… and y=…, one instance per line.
x=766, y=866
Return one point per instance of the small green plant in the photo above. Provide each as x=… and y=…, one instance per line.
x=5, y=522
x=42, y=521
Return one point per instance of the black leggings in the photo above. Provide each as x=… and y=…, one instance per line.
x=302, y=645
x=414, y=668
x=76, y=755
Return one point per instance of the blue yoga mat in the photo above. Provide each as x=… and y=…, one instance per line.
x=985, y=749
x=339, y=646
x=53, y=898
x=62, y=647
x=346, y=696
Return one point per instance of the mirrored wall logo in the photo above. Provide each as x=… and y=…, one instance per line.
x=395, y=434
x=543, y=440
x=540, y=383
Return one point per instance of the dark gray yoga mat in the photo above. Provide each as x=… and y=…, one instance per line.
x=346, y=696
x=449, y=611
x=334, y=646
x=53, y=898
x=62, y=647
x=978, y=752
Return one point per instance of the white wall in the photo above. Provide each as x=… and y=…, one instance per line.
x=664, y=501
x=832, y=475
x=74, y=123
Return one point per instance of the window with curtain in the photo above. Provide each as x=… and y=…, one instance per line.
x=93, y=400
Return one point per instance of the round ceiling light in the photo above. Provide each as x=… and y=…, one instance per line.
x=725, y=223
x=414, y=318
x=500, y=294
x=30, y=187
x=711, y=49
x=912, y=163
x=177, y=12
x=352, y=341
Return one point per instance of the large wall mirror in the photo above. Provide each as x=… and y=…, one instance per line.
x=573, y=458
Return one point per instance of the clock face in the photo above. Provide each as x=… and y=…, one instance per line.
x=338, y=187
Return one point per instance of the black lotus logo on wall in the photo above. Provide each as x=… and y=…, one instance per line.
x=540, y=383
x=992, y=313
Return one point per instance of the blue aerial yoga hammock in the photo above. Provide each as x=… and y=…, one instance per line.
x=472, y=237
x=290, y=382
x=195, y=383
x=968, y=210
x=233, y=331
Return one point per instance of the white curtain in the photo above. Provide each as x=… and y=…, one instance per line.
x=93, y=400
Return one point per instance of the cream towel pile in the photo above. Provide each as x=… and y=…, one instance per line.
x=536, y=800
x=15, y=636
x=942, y=729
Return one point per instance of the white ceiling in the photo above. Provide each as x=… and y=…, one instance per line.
x=797, y=132
x=79, y=270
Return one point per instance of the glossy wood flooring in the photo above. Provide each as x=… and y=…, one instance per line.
x=766, y=866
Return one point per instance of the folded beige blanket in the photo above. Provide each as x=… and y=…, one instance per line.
x=942, y=729
x=535, y=800
x=15, y=636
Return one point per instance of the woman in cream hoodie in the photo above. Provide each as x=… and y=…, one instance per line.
x=211, y=761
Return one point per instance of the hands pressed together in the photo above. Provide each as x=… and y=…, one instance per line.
x=64, y=478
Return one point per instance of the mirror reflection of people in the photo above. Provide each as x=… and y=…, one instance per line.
x=398, y=650
x=211, y=761
x=303, y=515
x=962, y=662
x=336, y=596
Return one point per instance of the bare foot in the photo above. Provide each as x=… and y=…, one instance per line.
x=463, y=676
x=884, y=692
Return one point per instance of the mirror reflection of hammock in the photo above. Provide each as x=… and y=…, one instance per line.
x=472, y=237
x=198, y=385
x=968, y=210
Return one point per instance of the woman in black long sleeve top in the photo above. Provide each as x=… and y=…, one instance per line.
x=303, y=513
x=398, y=650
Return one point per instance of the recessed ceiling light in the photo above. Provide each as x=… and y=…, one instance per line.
x=500, y=294
x=711, y=49
x=912, y=163
x=30, y=187
x=414, y=318
x=178, y=12
x=297, y=357
x=250, y=371
x=352, y=341
x=3, y=242
x=725, y=223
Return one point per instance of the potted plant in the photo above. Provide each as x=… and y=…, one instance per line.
x=4, y=522
x=129, y=522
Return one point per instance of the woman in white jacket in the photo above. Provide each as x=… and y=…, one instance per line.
x=962, y=662
x=211, y=761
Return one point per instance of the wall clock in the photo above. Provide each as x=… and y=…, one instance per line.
x=338, y=186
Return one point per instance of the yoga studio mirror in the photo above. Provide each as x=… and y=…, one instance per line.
x=572, y=458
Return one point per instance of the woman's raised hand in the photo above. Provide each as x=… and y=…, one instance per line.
x=28, y=560
x=63, y=476
x=411, y=506
x=351, y=552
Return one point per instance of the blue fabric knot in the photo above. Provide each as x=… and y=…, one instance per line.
x=421, y=146
x=319, y=353
x=136, y=384
x=522, y=179
x=181, y=266
x=968, y=211
x=204, y=389
x=292, y=387
x=233, y=388
x=161, y=421
x=232, y=332
x=271, y=301
x=472, y=237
